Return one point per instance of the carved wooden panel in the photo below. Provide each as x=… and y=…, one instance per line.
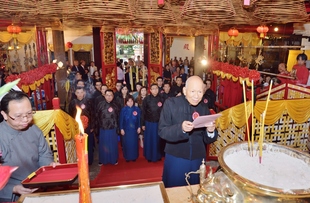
x=169, y=41
x=155, y=51
x=108, y=48
x=154, y=73
x=111, y=77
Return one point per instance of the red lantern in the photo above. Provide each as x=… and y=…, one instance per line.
x=246, y=3
x=14, y=29
x=262, y=30
x=233, y=32
x=69, y=45
x=161, y=3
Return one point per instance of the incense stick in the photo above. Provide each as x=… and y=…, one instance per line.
x=252, y=109
x=246, y=117
x=261, y=139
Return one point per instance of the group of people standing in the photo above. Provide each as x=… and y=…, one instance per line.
x=162, y=114
x=178, y=68
x=89, y=73
x=131, y=72
x=118, y=118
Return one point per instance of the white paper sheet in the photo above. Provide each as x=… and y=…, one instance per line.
x=201, y=121
x=142, y=194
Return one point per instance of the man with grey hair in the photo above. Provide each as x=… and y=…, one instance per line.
x=185, y=145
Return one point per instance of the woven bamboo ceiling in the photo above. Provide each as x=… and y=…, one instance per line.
x=192, y=17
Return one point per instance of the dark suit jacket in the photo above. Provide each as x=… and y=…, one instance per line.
x=81, y=70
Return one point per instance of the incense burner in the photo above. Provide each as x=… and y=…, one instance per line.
x=238, y=179
x=258, y=183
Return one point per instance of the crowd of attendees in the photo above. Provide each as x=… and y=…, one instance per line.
x=130, y=113
x=126, y=115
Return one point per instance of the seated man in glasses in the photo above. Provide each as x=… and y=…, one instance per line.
x=22, y=144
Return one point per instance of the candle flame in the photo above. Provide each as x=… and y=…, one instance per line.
x=78, y=119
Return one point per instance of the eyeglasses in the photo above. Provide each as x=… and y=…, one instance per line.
x=21, y=117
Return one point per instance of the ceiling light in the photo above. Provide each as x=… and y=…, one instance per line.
x=204, y=62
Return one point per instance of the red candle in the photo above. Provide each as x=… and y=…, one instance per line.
x=56, y=103
x=82, y=155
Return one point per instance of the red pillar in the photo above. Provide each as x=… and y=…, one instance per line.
x=154, y=44
x=286, y=91
x=60, y=146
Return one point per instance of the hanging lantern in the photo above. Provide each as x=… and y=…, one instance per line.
x=69, y=45
x=246, y=3
x=262, y=30
x=14, y=29
x=233, y=32
x=161, y=3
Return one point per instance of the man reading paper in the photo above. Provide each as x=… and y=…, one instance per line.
x=185, y=147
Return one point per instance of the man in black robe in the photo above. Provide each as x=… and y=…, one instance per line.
x=177, y=89
x=185, y=145
x=151, y=108
x=107, y=117
x=209, y=95
x=86, y=106
x=97, y=92
x=167, y=93
x=160, y=82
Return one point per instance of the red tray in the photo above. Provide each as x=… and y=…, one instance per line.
x=64, y=174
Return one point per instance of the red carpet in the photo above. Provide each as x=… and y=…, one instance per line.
x=126, y=173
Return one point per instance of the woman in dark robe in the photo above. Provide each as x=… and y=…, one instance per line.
x=130, y=128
